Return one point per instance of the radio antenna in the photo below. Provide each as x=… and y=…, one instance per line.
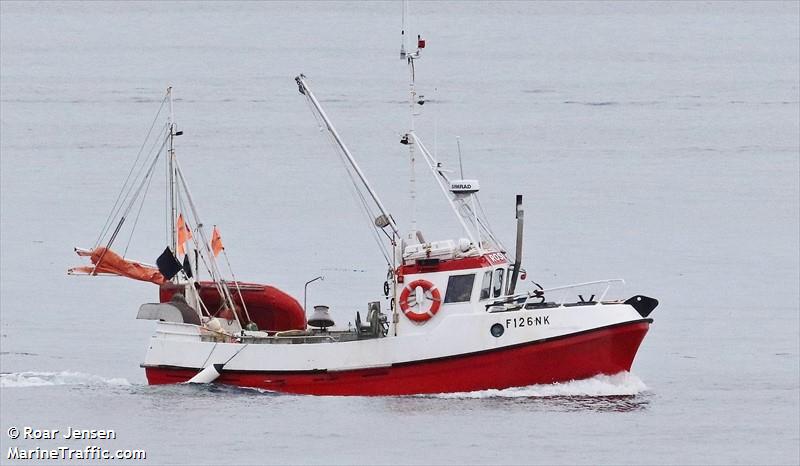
x=460, y=165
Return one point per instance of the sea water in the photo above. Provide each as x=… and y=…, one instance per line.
x=657, y=142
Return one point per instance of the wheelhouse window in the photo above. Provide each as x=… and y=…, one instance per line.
x=459, y=288
x=497, y=290
x=486, y=286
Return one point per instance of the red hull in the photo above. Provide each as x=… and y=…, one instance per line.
x=608, y=350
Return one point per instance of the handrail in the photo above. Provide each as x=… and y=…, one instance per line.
x=576, y=285
x=538, y=294
x=608, y=284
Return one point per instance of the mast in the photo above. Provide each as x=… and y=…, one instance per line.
x=173, y=192
x=412, y=187
x=177, y=181
x=385, y=219
x=411, y=139
x=464, y=204
x=412, y=100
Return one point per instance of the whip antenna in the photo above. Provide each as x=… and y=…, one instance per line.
x=403, y=31
x=460, y=165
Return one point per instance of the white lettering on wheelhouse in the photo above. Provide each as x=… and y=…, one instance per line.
x=464, y=186
x=496, y=258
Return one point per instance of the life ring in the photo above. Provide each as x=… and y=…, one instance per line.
x=431, y=293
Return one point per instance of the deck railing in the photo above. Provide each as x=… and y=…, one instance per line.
x=596, y=291
x=589, y=286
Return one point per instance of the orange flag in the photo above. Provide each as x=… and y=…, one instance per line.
x=184, y=234
x=216, y=242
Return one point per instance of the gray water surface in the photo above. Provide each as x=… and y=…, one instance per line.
x=657, y=142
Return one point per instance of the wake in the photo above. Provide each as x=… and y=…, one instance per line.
x=47, y=379
x=622, y=384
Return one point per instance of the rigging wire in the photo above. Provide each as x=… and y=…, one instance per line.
x=134, y=183
x=317, y=118
x=362, y=201
x=203, y=306
x=352, y=170
x=236, y=283
x=464, y=211
x=222, y=287
x=374, y=229
x=111, y=215
x=138, y=213
x=147, y=175
x=484, y=222
x=127, y=210
x=196, y=238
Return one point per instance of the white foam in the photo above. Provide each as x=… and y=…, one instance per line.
x=43, y=379
x=620, y=384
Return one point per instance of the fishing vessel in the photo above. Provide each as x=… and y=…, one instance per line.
x=450, y=319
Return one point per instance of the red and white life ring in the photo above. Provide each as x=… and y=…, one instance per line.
x=431, y=294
